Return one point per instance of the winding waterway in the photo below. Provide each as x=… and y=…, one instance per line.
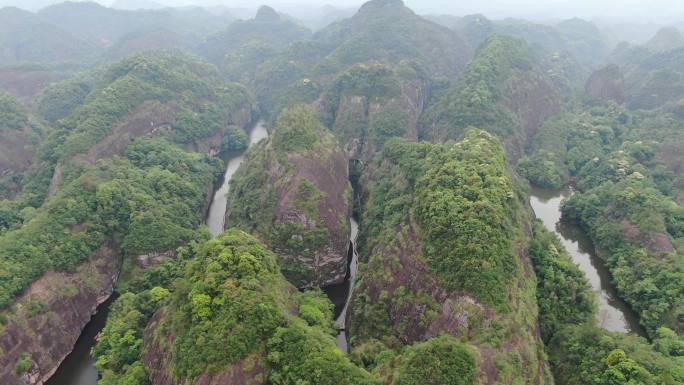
x=78, y=368
x=216, y=218
x=341, y=294
x=613, y=313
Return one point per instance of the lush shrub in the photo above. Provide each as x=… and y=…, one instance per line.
x=235, y=139
x=438, y=361
x=564, y=295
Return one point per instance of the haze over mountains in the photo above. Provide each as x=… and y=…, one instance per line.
x=408, y=195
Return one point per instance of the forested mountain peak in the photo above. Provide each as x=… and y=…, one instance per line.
x=666, y=39
x=25, y=37
x=265, y=35
x=266, y=13
x=388, y=31
x=381, y=5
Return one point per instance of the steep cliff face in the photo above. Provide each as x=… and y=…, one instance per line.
x=44, y=323
x=445, y=238
x=293, y=192
x=606, y=85
x=370, y=103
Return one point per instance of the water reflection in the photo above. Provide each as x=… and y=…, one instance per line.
x=613, y=313
x=216, y=217
x=78, y=368
x=340, y=295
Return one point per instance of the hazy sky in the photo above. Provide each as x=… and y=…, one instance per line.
x=639, y=10
x=634, y=10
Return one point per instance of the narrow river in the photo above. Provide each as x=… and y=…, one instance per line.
x=78, y=367
x=613, y=313
x=341, y=294
x=217, y=211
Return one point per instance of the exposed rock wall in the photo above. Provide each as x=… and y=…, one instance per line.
x=47, y=320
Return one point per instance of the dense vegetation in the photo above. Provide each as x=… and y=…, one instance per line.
x=589, y=355
x=632, y=223
x=290, y=168
x=232, y=303
x=489, y=95
x=457, y=285
x=627, y=200
x=564, y=295
x=151, y=200
x=20, y=136
x=441, y=224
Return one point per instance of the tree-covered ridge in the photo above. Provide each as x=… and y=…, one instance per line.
x=442, y=228
x=293, y=193
x=152, y=200
x=653, y=72
x=388, y=31
x=12, y=114
x=250, y=42
x=205, y=104
x=370, y=103
x=502, y=90
x=233, y=304
x=384, y=32
x=96, y=115
x=25, y=37
x=468, y=208
x=580, y=42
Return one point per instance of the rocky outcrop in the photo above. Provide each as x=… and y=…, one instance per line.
x=297, y=200
x=45, y=322
x=606, y=85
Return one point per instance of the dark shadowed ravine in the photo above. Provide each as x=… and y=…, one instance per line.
x=613, y=313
